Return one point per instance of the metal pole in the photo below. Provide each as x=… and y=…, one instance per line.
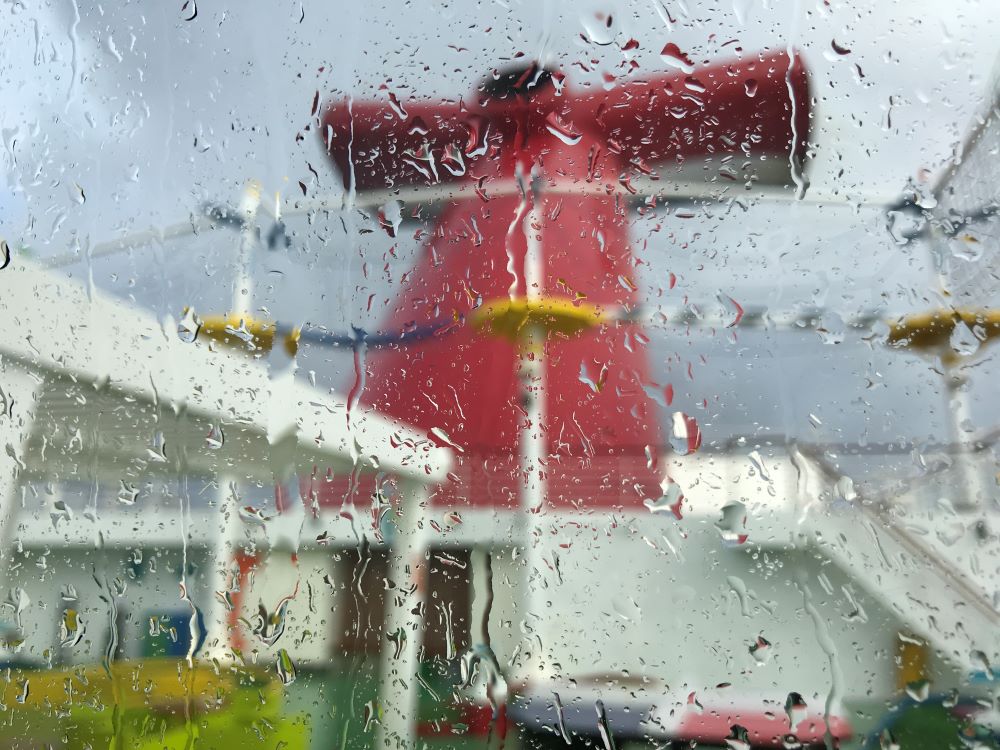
x=675, y=194
x=956, y=385
x=218, y=639
x=243, y=283
x=532, y=444
x=20, y=390
x=403, y=636
x=970, y=484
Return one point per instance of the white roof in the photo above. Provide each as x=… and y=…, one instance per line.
x=119, y=385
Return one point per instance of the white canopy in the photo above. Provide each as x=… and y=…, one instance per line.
x=115, y=392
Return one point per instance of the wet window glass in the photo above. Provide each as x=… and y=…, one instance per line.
x=500, y=374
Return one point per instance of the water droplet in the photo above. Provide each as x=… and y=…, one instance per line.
x=963, y=340
x=189, y=326
x=919, y=690
x=738, y=586
x=904, y=226
x=394, y=102
x=966, y=246
x=750, y=86
x=252, y=516
x=390, y=216
x=887, y=742
x=285, y=667
x=733, y=309
x=599, y=28
x=758, y=463
x=732, y=524
x=398, y=640
x=452, y=160
x=189, y=11
x=357, y=387
x=369, y=715
x=127, y=493
x=442, y=437
x=694, y=703
x=422, y=160
x=561, y=720
x=71, y=628
x=595, y=385
x=795, y=709
x=738, y=739
x=845, y=490
x=269, y=627
x=670, y=501
x=981, y=663
x=215, y=438
x=241, y=332
x=478, y=128
x=61, y=512
x=22, y=696
x=602, y=726
x=157, y=450
x=685, y=435
x=417, y=126
x=17, y=600
x=4, y=254
x=672, y=56
x=626, y=608
x=761, y=650
x=564, y=131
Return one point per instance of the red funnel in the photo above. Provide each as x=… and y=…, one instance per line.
x=583, y=149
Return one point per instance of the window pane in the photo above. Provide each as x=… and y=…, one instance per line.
x=526, y=375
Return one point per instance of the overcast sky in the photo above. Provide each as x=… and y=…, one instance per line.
x=104, y=96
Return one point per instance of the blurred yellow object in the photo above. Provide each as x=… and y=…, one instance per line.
x=931, y=331
x=510, y=317
x=245, y=332
x=912, y=659
x=149, y=683
x=153, y=704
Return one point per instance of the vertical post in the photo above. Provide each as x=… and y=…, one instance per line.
x=243, y=283
x=218, y=639
x=20, y=390
x=532, y=454
x=970, y=483
x=532, y=438
x=403, y=627
x=482, y=595
x=956, y=391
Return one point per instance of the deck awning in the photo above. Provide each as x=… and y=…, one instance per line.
x=115, y=392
